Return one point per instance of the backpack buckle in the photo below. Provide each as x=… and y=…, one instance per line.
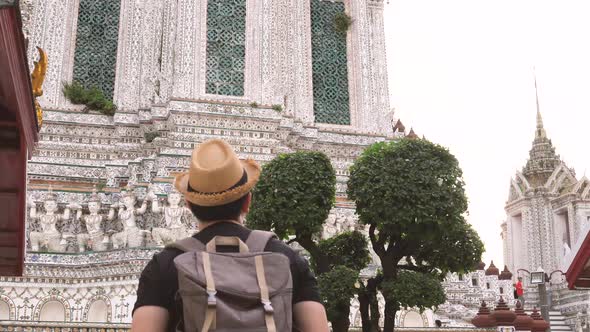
x=211, y=299
x=268, y=307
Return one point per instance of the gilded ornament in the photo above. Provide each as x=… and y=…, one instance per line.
x=37, y=78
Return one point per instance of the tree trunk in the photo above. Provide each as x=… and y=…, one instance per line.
x=322, y=261
x=364, y=309
x=369, y=306
x=390, y=311
x=375, y=314
x=343, y=322
x=389, y=265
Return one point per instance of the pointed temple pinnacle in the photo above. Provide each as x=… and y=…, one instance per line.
x=540, y=132
x=537, y=95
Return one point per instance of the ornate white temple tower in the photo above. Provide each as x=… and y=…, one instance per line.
x=545, y=210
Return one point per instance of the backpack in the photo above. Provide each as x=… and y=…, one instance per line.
x=248, y=291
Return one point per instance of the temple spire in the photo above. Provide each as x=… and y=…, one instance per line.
x=540, y=132
x=542, y=157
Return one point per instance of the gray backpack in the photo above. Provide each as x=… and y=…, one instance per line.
x=248, y=291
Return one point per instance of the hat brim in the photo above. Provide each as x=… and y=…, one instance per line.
x=215, y=199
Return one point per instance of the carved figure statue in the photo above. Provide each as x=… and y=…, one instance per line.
x=329, y=227
x=175, y=229
x=340, y=223
x=95, y=239
x=131, y=236
x=49, y=237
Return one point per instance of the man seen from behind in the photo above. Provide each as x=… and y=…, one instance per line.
x=209, y=267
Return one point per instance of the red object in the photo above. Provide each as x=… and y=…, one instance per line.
x=503, y=315
x=578, y=273
x=492, y=270
x=523, y=322
x=483, y=317
x=505, y=275
x=519, y=289
x=18, y=134
x=539, y=324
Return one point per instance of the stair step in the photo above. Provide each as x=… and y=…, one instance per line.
x=560, y=328
x=558, y=323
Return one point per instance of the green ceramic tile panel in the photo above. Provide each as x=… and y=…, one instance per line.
x=330, y=68
x=95, y=57
x=226, y=47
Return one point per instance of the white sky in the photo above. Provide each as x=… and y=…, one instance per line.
x=460, y=73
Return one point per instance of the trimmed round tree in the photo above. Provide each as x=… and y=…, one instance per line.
x=294, y=197
x=411, y=194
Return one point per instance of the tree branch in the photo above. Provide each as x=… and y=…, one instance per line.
x=377, y=243
x=307, y=243
x=412, y=267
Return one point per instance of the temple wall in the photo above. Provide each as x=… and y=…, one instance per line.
x=162, y=52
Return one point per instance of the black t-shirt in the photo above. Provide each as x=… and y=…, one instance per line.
x=158, y=283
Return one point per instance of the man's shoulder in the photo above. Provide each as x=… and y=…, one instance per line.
x=278, y=246
x=164, y=260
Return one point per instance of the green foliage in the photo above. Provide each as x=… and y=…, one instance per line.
x=414, y=289
x=75, y=93
x=277, y=107
x=254, y=104
x=150, y=136
x=294, y=194
x=347, y=249
x=93, y=98
x=457, y=249
x=411, y=193
x=342, y=22
x=337, y=287
x=408, y=188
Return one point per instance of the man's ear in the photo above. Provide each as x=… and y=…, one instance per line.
x=247, y=202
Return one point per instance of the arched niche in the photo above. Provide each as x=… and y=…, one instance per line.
x=98, y=312
x=53, y=311
x=53, y=308
x=98, y=309
x=413, y=319
x=7, y=308
x=4, y=311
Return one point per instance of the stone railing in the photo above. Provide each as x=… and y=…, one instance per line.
x=24, y=326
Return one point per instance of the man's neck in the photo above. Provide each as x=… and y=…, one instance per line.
x=205, y=224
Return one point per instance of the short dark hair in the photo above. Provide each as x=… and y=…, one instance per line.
x=229, y=211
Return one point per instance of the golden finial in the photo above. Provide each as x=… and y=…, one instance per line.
x=37, y=78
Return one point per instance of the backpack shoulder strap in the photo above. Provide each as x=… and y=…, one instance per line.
x=188, y=244
x=257, y=240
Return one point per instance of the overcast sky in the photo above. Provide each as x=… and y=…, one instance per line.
x=461, y=73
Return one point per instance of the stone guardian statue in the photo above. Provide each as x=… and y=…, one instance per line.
x=131, y=236
x=49, y=237
x=173, y=213
x=95, y=238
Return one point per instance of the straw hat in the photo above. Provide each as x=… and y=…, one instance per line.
x=216, y=176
